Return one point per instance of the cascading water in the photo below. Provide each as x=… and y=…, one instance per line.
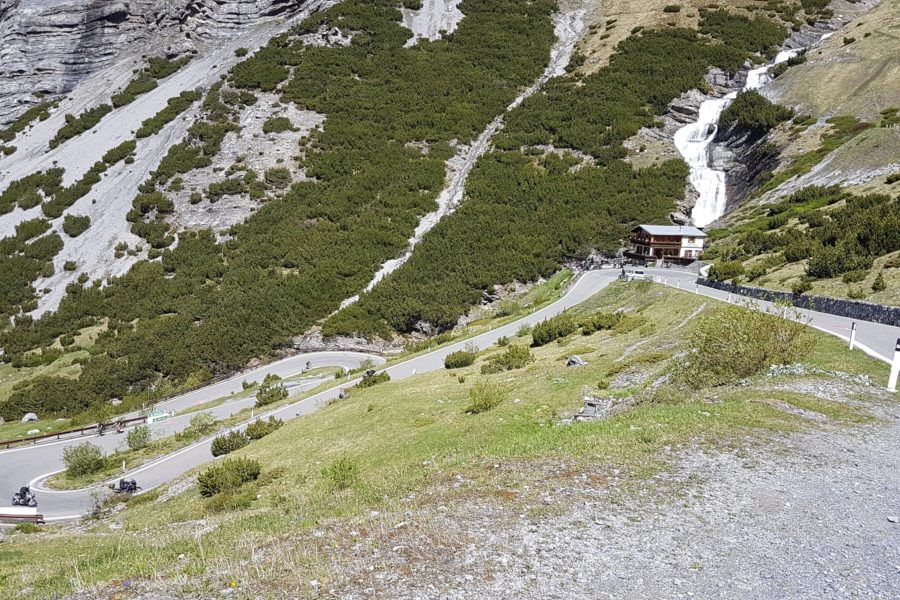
x=693, y=142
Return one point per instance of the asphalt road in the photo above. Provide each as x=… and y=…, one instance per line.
x=22, y=465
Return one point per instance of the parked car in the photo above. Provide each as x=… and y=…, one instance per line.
x=639, y=274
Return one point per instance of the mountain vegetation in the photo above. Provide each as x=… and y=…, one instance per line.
x=556, y=209
x=206, y=308
x=826, y=231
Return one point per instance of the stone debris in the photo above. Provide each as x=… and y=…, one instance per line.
x=575, y=361
x=327, y=37
x=597, y=408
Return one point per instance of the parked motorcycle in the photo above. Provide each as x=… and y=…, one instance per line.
x=125, y=486
x=24, y=497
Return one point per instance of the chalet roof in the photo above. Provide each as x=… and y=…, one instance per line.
x=682, y=230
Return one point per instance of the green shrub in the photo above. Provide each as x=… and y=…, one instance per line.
x=484, y=396
x=226, y=187
x=341, y=474
x=40, y=111
x=600, y=321
x=830, y=261
x=856, y=293
x=228, y=476
x=892, y=178
x=374, y=379
x=737, y=342
x=31, y=228
x=83, y=459
x=146, y=80
x=515, y=357
x=229, y=442
x=553, y=329
x=277, y=125
x=879, y=284
x=174, y=107
x=753, y=110
x=723, y=271
x=260, y=429
x=138, y=438
x=801, y=286
x=459, y=359
x=77, y=125
x=854, y=276
x=270, y=391
x=241, y=52
x=27, y=528
x=672, y=8
x=74, y=225
x=202, y=423
x=120, y=152
x=279, y=177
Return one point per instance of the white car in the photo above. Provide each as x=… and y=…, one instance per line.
x=638, y=274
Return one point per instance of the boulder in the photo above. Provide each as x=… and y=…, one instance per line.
x=30, y=417
x=575, y=361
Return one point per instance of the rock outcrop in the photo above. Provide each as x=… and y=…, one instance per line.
x=47, y=46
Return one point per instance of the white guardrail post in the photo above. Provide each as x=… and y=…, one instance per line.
x=895, y=369
x=852, y=334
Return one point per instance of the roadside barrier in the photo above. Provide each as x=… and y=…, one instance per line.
x=852, y=309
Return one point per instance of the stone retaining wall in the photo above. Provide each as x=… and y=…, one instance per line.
x=853, y=309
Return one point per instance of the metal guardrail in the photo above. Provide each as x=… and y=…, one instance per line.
x=81, y=431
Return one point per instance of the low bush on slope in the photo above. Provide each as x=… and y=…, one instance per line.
x=834, y=232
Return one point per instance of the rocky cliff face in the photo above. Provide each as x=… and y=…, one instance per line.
x=743, y=155
x=47, y=46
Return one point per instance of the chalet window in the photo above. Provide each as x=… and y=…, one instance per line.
x=690, y=240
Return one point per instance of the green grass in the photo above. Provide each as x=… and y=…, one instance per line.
x=413, y=437
x=843, y=129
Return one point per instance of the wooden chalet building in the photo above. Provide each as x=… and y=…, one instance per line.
x=673, y=243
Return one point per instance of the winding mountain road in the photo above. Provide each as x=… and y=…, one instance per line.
x=19, y=466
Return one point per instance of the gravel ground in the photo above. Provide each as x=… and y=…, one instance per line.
x=809, y=515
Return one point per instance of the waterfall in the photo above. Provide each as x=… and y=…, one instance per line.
x=693, y=142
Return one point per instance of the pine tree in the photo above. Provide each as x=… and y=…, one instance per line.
x=879, y=285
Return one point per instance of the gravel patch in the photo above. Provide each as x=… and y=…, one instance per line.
x=807, y=516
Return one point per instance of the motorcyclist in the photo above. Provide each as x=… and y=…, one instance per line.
x=24, y=497
x=125, y=486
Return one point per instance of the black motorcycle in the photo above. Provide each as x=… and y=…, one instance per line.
x=125, y=486
x=24, y=497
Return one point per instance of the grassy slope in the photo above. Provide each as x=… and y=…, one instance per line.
x=856, y=79
x=416, y=449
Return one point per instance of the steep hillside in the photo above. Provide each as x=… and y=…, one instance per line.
x=48, y=46
x=398, y=486
x=202, y=212
x=813, y=225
